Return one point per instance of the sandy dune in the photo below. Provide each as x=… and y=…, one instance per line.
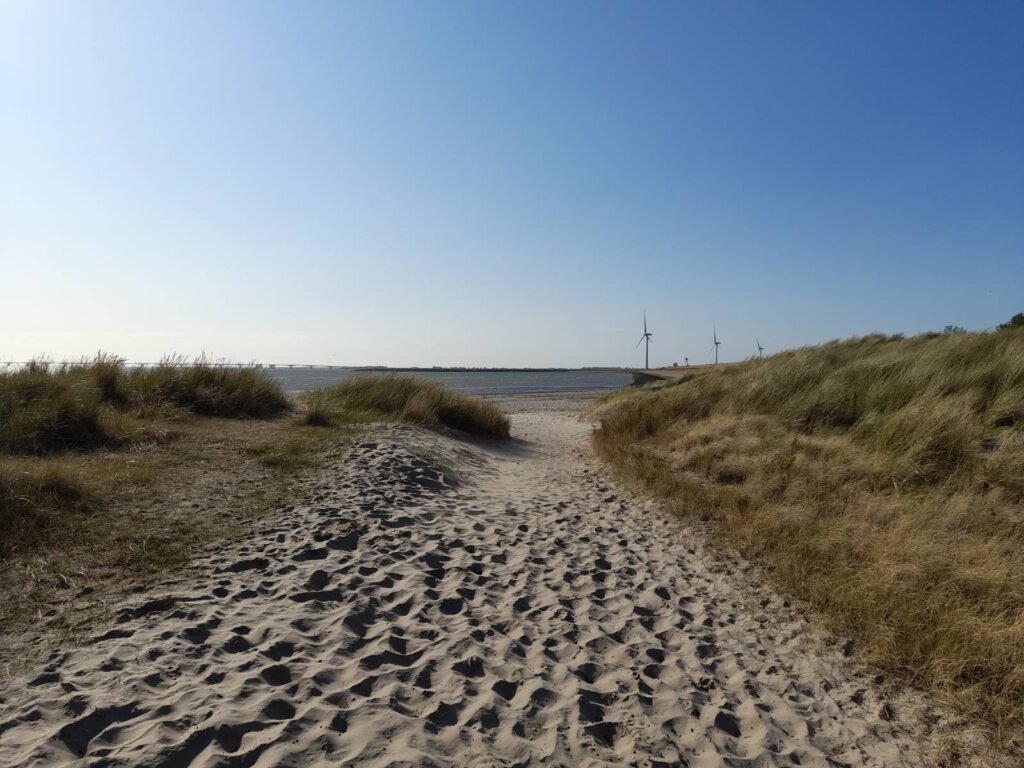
x=438, y=603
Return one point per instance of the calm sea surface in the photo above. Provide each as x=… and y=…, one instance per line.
x=474, y=382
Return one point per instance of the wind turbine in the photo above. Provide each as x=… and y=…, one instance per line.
x=760, y=349
x=647, y=349
x=717, y=343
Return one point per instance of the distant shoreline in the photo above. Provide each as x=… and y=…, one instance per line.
x=327, y=366
x=443, y=369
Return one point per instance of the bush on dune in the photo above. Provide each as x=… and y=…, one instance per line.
x=209, y=390
x=881, y=478
x=47, y=408
x=50, y=409
x=44, y=411
x=32, y=496
x=408, y=398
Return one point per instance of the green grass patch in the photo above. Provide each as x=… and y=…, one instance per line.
x=300, y=447
x=33, y=496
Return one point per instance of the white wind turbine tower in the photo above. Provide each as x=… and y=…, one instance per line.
x=716, y=344
x=647, y=349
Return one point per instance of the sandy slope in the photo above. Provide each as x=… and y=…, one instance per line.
x=443, y=603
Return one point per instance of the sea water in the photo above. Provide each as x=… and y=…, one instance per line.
x=473, y=382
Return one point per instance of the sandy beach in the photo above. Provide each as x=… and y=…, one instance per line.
x=433, y=601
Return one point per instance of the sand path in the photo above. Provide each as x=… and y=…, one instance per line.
x=438, y=603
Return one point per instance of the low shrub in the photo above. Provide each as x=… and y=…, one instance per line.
x=409, y=398
x=48, y=408
x=33, y=497
x=209, y=390
x=44, y=411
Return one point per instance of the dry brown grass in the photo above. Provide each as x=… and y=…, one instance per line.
x=47, y=408
x=110, y=478
x=880, y=479
x=414, y=399
x=95, y=525
x=55, y=419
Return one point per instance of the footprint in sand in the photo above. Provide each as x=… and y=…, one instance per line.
x=485, y=606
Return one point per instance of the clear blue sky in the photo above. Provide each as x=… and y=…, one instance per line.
x=486, y=183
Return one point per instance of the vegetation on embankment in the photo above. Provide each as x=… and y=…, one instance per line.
x=110, y=475
x=48, y=408
x=51, y=412
x=881, y=479
x=388, y=396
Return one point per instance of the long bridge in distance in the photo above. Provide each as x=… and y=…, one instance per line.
x=183, y=363
x=640, y=375
x=318, y=366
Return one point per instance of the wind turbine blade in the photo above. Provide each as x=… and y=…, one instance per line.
x=640, y=342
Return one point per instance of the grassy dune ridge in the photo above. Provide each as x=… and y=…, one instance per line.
x=47, y=408
x=110, y=476
x=418, y=400
x=57, y=421
x=50, y=414
x=879, y=478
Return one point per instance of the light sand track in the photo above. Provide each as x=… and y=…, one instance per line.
x=437, y=603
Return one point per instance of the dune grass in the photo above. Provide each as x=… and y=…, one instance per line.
x=880, y=478
x=372, y=396
x=208, y=390
x=51, y=410
x=111, y=477
x=31, y=496
x=48, y=408
x=53, y=417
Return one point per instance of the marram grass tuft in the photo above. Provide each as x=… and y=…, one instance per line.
x=880, y=478
x=408, y=398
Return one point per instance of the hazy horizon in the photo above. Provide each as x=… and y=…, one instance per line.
x=420, y=184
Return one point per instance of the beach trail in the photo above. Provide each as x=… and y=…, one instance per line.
x=437, y=602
